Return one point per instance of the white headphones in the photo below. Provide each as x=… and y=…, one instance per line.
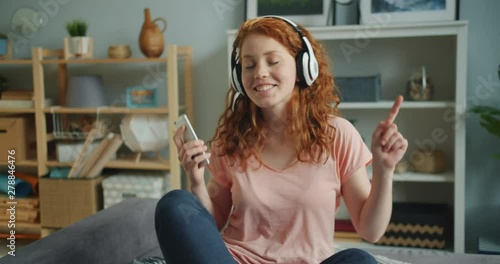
x=307, y=65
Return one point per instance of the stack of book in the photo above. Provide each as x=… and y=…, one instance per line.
x=26, y=220
x=16, y=99
x=345, y=231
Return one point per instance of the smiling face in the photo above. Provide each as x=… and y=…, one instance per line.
x=268, y=71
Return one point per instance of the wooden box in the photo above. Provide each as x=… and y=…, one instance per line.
x=66, y=201
x=16, y=133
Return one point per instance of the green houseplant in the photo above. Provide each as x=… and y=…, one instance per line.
x=489, y=118
x=77, y=29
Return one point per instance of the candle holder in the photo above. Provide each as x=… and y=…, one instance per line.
x=419, y=87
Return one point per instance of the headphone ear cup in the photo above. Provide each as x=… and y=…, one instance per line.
x=236, y=78
x=313, y=68
x=302, y=68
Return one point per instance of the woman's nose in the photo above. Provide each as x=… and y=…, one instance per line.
x=261, y=71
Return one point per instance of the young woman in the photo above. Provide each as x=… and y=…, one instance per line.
x=281, y=159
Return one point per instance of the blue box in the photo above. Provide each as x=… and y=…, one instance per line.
x=359, y=89
x=3, y=46
x=141, y=97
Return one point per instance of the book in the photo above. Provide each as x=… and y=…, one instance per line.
x=22, y=215
x=344, y=225
x=347, y=237
x=21, y=228
x=17, y=95
x=4, y=103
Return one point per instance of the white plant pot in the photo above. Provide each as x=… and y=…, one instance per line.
x=80, y=45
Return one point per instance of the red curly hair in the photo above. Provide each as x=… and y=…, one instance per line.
x=241, y=129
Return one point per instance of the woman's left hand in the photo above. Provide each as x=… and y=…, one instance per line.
x=388, y=145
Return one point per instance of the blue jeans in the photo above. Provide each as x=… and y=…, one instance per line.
x=187, y=233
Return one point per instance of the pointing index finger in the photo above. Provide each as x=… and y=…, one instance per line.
x=394, y=110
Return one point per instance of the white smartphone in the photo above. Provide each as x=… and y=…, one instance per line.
x=189, y=134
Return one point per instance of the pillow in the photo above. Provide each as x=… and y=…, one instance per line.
x=149, y=260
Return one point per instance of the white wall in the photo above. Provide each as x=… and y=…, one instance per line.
x=482, y=171
x=199, y=23
x=202, y=24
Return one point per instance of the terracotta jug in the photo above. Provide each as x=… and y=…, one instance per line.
x=151, y=39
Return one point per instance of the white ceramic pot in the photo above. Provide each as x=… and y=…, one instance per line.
x=80, y=45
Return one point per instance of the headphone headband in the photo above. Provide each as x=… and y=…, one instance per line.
x=295, y=26
x=307, y=65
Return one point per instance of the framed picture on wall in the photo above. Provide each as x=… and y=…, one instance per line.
x=304, y=12
x=408, y=11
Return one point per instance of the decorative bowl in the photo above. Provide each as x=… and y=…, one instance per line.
x=119, y=51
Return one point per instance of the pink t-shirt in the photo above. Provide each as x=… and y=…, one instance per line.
x=289, y=216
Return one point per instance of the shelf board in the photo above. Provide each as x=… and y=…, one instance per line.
x=17, y=110
x=26, y=163
x=424, y=177
x=16, y=61
x=104, y=61
x=421, y=177
x=181, y=50
x=424, y=29
x=124, y=163
x=367, y=246
x=405, y=105
x=386, y=30
x=105, y=110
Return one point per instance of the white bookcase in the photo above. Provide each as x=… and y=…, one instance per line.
x=394, y=52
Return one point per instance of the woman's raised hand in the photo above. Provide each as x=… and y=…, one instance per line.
x=388, y=145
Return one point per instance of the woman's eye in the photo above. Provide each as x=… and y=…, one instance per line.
x=273, y=62
x=249, y=66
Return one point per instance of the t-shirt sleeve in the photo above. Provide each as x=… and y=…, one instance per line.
x=350, y=152
x=219, y=171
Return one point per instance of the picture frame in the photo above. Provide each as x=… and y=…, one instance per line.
x=141, y=97
x=382, y=12
x=310, y=14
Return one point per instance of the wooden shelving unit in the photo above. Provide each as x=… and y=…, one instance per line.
x=44, y=160
x=21, y=165
x=42, y=57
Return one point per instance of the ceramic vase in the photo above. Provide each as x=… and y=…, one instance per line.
x=151, y=41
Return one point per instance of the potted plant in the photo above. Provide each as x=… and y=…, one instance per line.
x=490, y=118
x=77, y=29
x=3, y=44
